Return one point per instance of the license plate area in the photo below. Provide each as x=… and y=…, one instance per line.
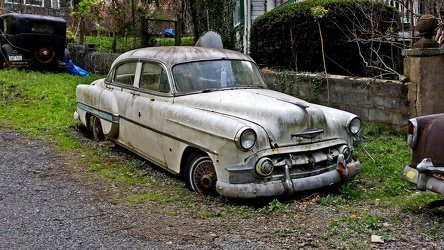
x=15, y=57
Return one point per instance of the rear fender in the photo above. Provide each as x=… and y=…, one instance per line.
x=96, y=101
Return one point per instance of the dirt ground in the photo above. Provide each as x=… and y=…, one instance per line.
x=46, y=202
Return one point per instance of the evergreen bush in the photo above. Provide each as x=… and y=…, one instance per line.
x=288, y=38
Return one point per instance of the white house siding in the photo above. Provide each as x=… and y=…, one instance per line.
x=257, y=8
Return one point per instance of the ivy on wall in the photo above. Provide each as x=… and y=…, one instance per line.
x=291, y=81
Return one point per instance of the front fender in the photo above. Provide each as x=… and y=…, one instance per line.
x=210, y=132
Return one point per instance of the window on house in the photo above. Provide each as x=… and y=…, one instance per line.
x=13, y=1
x=55, y=4
x=238, y=14
x=37, y=3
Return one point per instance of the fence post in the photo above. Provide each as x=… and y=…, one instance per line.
x=178, y=30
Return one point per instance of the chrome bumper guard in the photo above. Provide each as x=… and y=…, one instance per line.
x=290, y=186
x=422, y=176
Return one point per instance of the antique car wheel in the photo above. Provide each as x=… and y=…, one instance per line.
x=97, y=129
x=200, y=174
x=44, y=52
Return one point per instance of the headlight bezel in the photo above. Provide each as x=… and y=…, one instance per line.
x=354, y=125
x=245, y=139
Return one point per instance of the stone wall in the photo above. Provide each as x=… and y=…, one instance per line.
x=374, y=100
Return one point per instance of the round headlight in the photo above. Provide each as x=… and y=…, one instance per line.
x=264, y=167
x=354, y=125
x=245, y=139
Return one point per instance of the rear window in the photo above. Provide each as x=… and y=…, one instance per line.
x=41, y=27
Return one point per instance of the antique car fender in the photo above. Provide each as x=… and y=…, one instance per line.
x=6, y=50
x=209, y=132
x=92, y=100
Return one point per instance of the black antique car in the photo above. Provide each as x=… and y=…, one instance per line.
x=32, y=41
x=426, y=170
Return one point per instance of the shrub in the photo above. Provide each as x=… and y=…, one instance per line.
x=288, y=37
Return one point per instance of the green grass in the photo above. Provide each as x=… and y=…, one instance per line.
x=383, y=153
x=37, y=103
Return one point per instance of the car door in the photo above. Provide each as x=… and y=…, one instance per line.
x=145, y=111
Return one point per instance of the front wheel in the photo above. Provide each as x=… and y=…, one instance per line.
x=200, y=174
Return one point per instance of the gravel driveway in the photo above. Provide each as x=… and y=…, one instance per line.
x=41, y=208
x=44, y=205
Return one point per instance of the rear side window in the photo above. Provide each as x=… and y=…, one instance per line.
x=153, y=77
x=4, y=26
x=125, y=73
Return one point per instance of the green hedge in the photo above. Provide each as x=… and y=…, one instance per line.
x=272, y=34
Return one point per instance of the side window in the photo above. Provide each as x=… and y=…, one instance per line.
x=5, y=26
x=153, y=77
x=125, y=73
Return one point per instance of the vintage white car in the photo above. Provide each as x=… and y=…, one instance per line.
x=207, y=114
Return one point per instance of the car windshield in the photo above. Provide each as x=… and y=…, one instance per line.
x=217, y=74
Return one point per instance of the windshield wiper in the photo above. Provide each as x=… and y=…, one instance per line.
x=250, y=86
x=207, y=90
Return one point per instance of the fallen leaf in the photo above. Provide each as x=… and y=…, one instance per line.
x=377, y=239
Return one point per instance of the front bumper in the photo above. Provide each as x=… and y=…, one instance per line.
x=289, y=186
x=425, y=176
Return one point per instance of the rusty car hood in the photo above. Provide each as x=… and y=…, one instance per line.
x=283, y=117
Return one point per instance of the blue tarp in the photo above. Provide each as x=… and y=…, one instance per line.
x=169, y=33
x=76, y=70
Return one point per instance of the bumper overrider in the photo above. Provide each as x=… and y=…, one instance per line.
x=426, y=176
x=288, y=186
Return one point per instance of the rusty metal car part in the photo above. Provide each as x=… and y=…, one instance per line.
x=289, y=185
x=201, y=175
x=426, y=176
x=424, y=137
x=97, y=129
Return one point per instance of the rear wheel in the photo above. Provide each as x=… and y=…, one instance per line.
x=97, y=129
x=200, y=174
x=44, y=52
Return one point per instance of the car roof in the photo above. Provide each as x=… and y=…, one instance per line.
x=34, y=17
x=170, y=55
